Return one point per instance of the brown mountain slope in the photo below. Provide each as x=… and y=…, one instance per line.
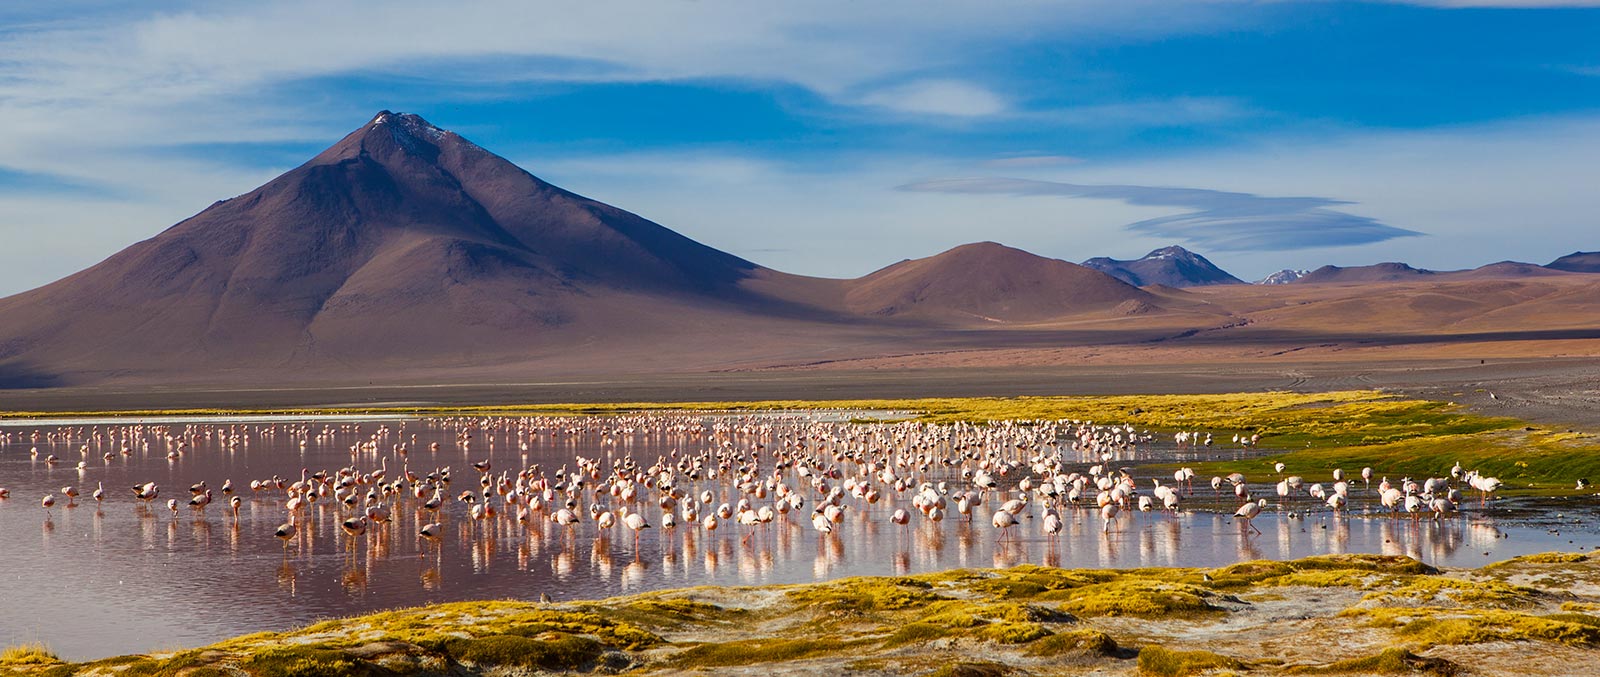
x=1502, y=269
x=402, y=240
x=1380, y=272
x=992, y=283
x=1577, y=262
x=405, y=250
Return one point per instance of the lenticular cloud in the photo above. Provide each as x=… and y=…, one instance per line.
x=1219, y=220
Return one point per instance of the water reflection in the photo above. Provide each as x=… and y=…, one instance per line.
x=183, y=570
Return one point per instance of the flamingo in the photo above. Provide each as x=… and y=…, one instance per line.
x=819, y=521
x=1003, y=521
x=1108, y=512
x=1248, y=512
x=1337, y=502
x=637, y=524
x=1052, y=524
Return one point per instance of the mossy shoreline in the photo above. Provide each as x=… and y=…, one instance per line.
x=1332, y=614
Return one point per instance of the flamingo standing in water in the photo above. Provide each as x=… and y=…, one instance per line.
x=1052, y=525
x=1108, y=512
x=1004, y=520
x=635, y=522
x=1249, y=511
x=285, y=533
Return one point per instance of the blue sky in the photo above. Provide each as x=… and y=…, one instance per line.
x=832, y=138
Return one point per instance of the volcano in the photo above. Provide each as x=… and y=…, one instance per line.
x=406, y=249
x=1171, y=266
x=402, y=240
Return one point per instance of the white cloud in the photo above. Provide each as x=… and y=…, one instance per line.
x=88, y=98
x=1483, y=193
x=1220, y=221
x=938, y=97
x=1517, y=190
x=91, y=97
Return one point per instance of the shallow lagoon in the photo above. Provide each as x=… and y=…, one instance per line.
x=123, y=577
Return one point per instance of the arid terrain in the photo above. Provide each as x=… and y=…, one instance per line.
x=407, y=263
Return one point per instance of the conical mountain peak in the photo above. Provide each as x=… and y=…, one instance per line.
x=395, y=137
x=402, y=234
x=1172, y=266
x=409, y=126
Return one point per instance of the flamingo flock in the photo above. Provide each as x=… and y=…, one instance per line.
x=738, y=473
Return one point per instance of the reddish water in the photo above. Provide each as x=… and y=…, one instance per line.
x=120, y=577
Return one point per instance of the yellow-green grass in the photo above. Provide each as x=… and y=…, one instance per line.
x=1017, y=619
x=1526, y=461
x=1160, y=661
x=32, y=653
x=1391, y=661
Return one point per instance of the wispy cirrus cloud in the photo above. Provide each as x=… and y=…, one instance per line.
x=1031, y=161
x=938, y=97
x=1219, y=220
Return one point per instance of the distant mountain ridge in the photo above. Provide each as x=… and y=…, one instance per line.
x=405, y=246
x=1285, y=276
x=406, y=253
x=1379, y=272
x=990, y=281
x=1171, y=266
x=1577, y=262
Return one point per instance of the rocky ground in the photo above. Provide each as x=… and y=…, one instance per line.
x=1336, y=614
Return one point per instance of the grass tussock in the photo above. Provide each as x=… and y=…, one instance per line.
x=1452, y=592
x=759, y=651
x=1070, y=642
x=1391, y=661
x=553, y=651
x=1437, y=627
x=1539, y=558
x=864, y=594
x=972, y=669
x=32, y=653
x=1138, y=597
x=1159, y=661
x=304, y=661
